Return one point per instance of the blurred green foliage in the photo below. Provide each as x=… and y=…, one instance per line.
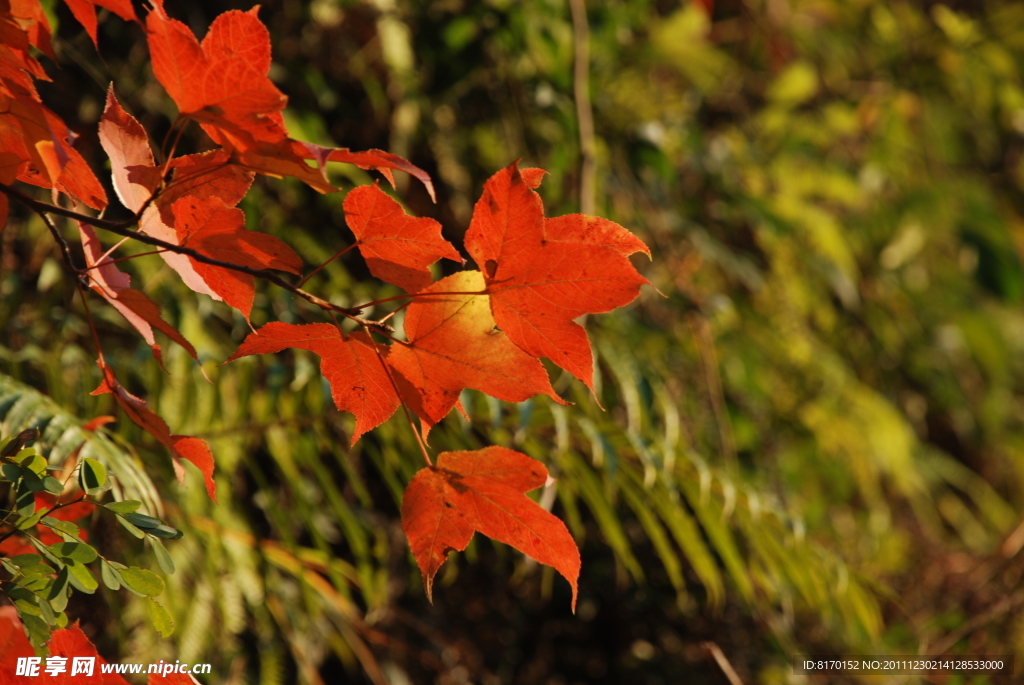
x=813, y=429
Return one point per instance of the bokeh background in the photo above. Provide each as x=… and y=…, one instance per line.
x=813, y=427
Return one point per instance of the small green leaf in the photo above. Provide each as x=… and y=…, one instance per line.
x=59, y=604
x=46, y=611
x=33, y=570
x=45, y=551
x=161, y=619
x=28, y=606
x=81, y=577
x=76, y=551
x=141, y=581
x=65, y=527
x=26, y=522
x=32, y=462
x=52, y=485
x=110, y=576
x=38, y=631
x=37, y=583
x=92, y=476
x=11, y=472
x=124, y=507
x=11, y=568
x=166, y=532
x=143, y=521
x=134, y=530
x=26, y=559
x=60, y=585
x=62, y=619
x=162, y=557
x=26, y=502
x=31, y=482
x=17, y=592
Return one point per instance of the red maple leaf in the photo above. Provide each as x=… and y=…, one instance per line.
x=40, y=139
x=14, y=644
x=17, y=64
x=218, y=231
x=69, y=643
x=127, y=145
x=85, y=13
x=112, y=284
x=222, y=83
x=541, y=274
x=200, y=176
x=453, y=344
x=30, y=16
x=397, y=247
x=359, y=382
x=483, y=491
x=181, y=447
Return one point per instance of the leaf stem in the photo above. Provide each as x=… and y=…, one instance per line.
x=315, y=271
x=107, y=262
x=88, y=316
x=49, y=511
x=374, y=303
x=405, y=409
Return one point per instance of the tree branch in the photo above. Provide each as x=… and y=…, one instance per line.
x=122, y=229
x=42, y=207
x=64, y=247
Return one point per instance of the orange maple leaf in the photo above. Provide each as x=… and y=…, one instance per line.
x=397, y=247
x=543, y=273
x=453, y=344
x=222, y=83
x=483, y=491
x=218, y=231
x=181, y=447
x=113, y=285
x=127, y=145
x=359, y=382
x=85, y=13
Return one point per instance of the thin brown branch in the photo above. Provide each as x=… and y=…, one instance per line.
x=315, y=271
x=412, y=296
x=123, y=229
x=49, y=511
x=88, y=316
x=405, y=409
x=584, y=112
x=65, y=249
x=108, y=261
x=42, y=207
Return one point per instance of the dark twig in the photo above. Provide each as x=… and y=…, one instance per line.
x=44, y=208
x=64, y=247
x=122, y=229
